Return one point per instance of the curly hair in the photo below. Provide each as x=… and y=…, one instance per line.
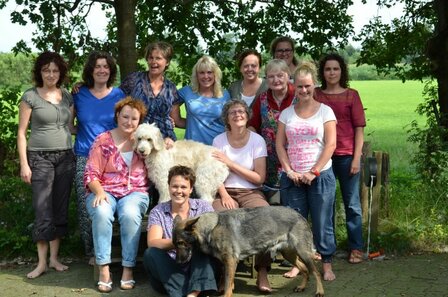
x=133, y=103
x=45, y=59
x=277, y=40
x=228, y=105
x=87, y=74
x=206, y=63
x=344, y=81
x=184, y=171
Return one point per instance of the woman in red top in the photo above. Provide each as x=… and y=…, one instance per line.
x=265, y=112
x=347, y=106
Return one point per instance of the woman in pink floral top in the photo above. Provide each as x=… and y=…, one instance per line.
x=116, y=179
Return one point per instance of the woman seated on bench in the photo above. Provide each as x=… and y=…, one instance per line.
x=244, y=152
x=116, y=178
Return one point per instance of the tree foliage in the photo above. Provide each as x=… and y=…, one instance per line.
x=194, y=27
x=416, y=47
x=15, y=70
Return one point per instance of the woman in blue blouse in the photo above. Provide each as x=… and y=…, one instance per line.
x=204, y=100
x=158, y=93
x=94, y=110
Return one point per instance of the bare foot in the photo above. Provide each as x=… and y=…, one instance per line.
x=292, y=273
x=58, y=266
x=194, y=294
x=38, y=271
x=263, y=282
x=328, y=272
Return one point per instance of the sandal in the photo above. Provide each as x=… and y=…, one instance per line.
x=104, y=287
x=127, y=285
x=356, y=256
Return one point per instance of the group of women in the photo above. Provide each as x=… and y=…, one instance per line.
x=279, y=132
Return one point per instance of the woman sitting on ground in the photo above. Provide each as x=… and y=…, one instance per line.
x=165, y=275
x=116, y=178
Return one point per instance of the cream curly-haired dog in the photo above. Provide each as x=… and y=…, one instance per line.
x=210, y=173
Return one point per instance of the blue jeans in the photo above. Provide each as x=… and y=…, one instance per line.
x=316, y=199
x=349, y=185
x=130, y=210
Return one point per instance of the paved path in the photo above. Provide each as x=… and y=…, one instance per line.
x=419, y=275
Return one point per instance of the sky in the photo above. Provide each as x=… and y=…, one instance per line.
x=11, y=33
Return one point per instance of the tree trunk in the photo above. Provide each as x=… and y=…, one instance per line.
x=126, y=36
x=438, y=55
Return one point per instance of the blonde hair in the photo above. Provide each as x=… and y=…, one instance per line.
x=304, y=68
x=207, y=63
x=277, y=65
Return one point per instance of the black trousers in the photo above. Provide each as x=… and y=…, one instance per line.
x=168, y=277
x=51, y=184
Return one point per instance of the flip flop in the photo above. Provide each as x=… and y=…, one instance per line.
x=127, y=285
x=104, y=287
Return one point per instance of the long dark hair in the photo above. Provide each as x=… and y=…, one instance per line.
x=343, y=82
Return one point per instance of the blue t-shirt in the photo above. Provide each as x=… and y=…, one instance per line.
x=94, y=116
x=203, y=115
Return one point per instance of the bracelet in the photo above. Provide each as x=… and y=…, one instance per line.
x=314, y=171
x=288, y=173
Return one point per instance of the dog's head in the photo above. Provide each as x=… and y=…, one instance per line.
x=147, y=139
x=184, y=238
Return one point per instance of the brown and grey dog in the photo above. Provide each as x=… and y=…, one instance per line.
x=233, y=235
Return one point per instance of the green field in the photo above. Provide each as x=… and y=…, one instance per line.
x=390, y=107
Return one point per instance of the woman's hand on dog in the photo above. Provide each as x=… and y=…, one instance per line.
x=222, y=157
x=169, y=143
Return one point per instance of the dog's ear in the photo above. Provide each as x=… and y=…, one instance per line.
x=176, y=220
x=189, y=225
x=158, y=142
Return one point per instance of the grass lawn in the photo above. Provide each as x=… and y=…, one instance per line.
x=390, y=107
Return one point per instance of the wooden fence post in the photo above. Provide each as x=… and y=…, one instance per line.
x=380, y=192
x=364, y=190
